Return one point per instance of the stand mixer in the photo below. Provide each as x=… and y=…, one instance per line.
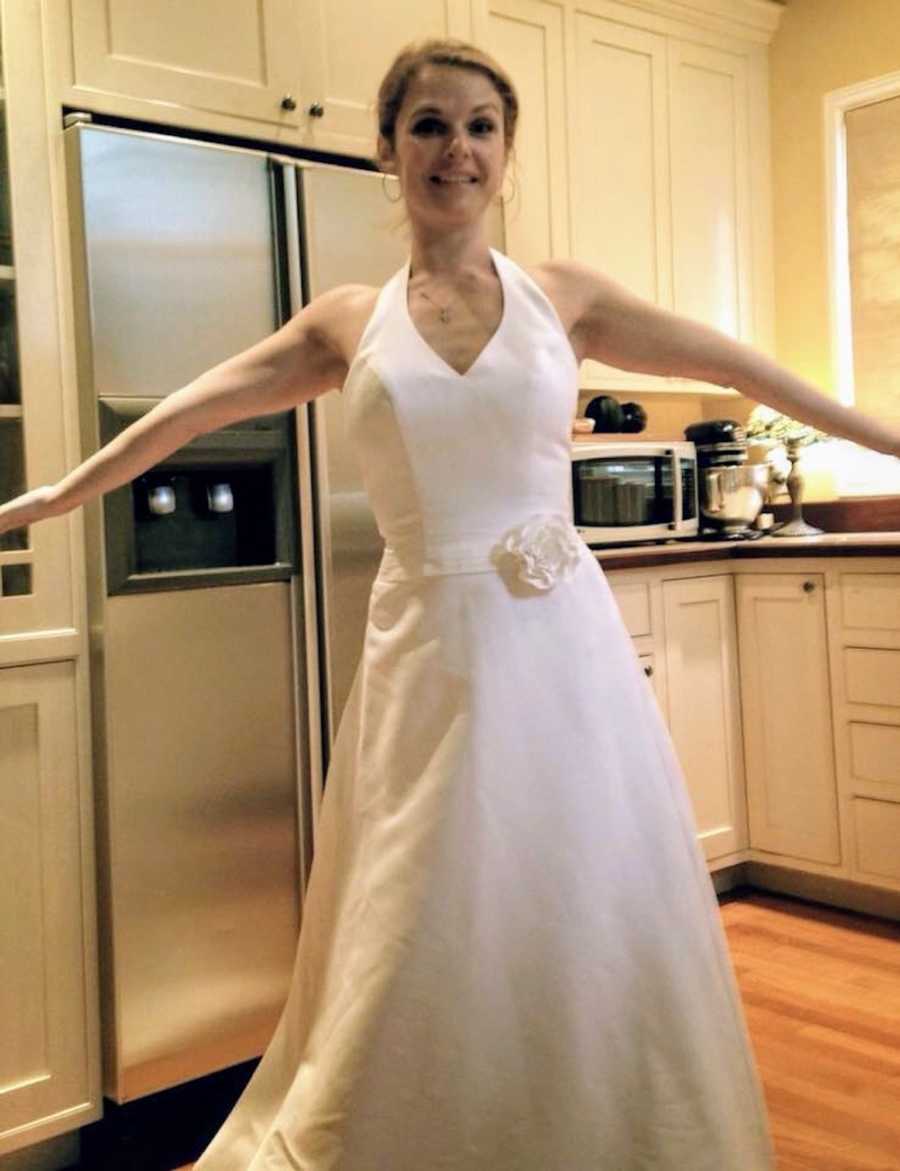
x=732, y=491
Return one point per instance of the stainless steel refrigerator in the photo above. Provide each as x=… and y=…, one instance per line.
x=227, y=587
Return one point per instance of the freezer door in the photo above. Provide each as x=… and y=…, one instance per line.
x=174, y=250
x=353, y=233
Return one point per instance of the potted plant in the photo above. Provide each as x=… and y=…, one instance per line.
x=768, y=433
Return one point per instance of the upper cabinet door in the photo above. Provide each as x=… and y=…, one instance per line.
x=620, y=156
x=710, y=166
x=234, y=57
x=620, y=165
x=527, y=38
x=347, y=47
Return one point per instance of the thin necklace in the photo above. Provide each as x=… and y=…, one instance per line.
x=443, y=310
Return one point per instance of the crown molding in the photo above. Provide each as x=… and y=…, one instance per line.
x=753, y=20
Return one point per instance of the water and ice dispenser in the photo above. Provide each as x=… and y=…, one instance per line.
x=218, y=511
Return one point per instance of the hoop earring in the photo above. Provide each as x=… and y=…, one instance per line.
x=384, y=188
x=507, y=199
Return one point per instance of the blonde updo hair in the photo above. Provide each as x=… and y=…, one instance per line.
x=446, y=51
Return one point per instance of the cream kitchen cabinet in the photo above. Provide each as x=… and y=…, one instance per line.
x=669, y=161
x=621, y=220
x=37, y=603
x=704, y=706
x=711, y=196
x=786, y=700
x=684, y=628
x=784, y=708
x=866, y=680
x=49, y=1059
x=49, y=1038
x=301, y=72
x=528, y=38
x=645, y=153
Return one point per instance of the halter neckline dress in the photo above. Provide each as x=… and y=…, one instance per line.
x=511, y=956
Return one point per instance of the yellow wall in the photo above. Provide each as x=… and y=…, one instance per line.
x=820, y=45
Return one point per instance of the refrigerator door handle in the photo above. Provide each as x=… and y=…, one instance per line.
x=291, y=244
x=287, y=182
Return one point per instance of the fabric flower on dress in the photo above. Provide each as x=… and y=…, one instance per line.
x=547, y=549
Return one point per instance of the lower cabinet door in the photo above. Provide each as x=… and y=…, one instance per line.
x=704, y=707
x=788, y=734
x=49, y=1068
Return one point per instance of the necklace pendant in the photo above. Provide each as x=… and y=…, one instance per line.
x=445, y=316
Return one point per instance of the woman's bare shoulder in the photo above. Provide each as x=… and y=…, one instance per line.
x=341, y=315
x=567, y=284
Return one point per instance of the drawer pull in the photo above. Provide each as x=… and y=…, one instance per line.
x=808, y=587
x=648, y=670
x=288, y=103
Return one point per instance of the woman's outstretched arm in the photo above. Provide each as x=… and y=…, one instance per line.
x=293, y=365
x=611, y=325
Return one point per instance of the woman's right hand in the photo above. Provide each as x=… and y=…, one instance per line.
x=24, y=510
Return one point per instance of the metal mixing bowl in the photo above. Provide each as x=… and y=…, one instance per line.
x=732, y=497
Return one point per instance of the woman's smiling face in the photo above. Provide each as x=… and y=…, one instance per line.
x=449, y=148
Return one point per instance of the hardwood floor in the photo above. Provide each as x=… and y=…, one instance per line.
x=821, y=992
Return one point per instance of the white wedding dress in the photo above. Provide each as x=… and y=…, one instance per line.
x=511, y=957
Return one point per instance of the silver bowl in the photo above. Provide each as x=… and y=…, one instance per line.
x=732, y=497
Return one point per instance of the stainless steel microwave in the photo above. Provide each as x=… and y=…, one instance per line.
x=634, y=491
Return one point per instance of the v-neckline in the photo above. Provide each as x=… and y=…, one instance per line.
x=404, y=293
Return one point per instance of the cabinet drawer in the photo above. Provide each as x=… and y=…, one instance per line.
x=877, y=828
x=872, y=676
x=871, y=601
x=875, y=753
x=633, y=598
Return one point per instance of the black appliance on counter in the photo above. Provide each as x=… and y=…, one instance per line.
x=732, y=491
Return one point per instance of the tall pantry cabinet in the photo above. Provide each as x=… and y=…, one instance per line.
x=49, y=1064
x=644, y=152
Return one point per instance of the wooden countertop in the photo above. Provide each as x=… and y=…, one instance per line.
x=869, y=544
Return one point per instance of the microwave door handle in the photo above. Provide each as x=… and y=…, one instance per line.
x=678, y=512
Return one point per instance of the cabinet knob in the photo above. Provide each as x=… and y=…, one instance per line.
x=808, y=587
x=316, y=110
x=288, y=103
x=648, y=670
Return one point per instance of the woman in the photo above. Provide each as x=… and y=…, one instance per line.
x=511, y=957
